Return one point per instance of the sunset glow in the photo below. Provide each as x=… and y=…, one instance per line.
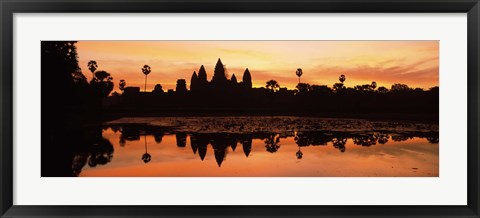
x=415, y=63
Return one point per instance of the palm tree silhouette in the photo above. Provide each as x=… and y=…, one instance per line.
x=92, y=66
x=146, y=70
x=299, y=73
x=342, y=78
x=146, y=157
x=122, y=85
x=299, y=153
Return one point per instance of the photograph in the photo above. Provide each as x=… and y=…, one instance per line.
x=246, y=108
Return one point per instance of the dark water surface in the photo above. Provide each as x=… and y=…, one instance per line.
x=260, y=147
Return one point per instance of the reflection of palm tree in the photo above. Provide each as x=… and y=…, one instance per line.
x=272, y=143
x=146, y=157
x=146, y=70
x=299, y=153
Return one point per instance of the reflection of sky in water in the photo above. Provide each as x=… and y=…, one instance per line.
x=412, y=157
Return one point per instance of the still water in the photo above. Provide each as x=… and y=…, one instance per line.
x=140, y=149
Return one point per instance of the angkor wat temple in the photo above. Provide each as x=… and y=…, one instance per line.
x=224, y=95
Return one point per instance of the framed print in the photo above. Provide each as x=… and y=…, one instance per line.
x=239, y=109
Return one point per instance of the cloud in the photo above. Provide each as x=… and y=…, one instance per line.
x=424, y=73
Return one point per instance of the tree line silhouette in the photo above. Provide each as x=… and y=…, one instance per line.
x=230, y=95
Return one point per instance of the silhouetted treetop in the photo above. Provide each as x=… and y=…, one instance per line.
x=320, y=89
x=365, y=87
x=272, y=85
x=102, y=83
x=102, y=75
x=158, y=89
x=338, y=86
x=382, y=90
x=303, y=87
x=400, y=88
x=61, y=57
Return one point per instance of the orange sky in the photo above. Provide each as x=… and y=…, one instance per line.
x=415, y=63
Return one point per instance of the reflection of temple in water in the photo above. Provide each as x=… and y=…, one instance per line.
x=220, y=142
x=99, y=150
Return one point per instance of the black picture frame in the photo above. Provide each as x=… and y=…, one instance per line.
x=9, y=7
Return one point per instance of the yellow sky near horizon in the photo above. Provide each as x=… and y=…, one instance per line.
x=415, y=63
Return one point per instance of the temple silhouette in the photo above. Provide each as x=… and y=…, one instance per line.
x=226, y=94
x=219, y=86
